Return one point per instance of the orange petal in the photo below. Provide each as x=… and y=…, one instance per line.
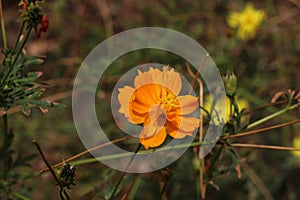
x=148, y=94
x=188, y=124
x=142, y=78
x=154, y=141
x=136, y=118
x=140, y=102
x=154, y=121
x=174, y=132
x=183, y=125
x=156, y=75
x=188, y=104
x=173, y=114
x=173, y=82
x=125, y=98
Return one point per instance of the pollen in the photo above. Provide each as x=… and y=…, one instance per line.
x=168, y=101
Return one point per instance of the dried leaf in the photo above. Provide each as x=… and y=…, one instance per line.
x=44, y=110
x=238, y=171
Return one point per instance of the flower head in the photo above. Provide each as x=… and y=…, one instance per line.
x=33, y=15
x=154, y=101
x=246, y=21
x=296, y=144
x=208, y=105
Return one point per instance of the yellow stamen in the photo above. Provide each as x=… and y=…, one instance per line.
x=168, y=101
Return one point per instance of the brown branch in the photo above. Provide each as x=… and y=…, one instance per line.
x=261, y=186
x=198, y=72
x=87, y=151
x=261, y=130
x=49, y=167
x=201, y=161
x=106, y=17
x=265, y=106
x=262, y=146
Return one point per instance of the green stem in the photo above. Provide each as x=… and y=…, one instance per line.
x=123, y=174
x=272, y=116
x=62, y=192
x=3, y=26
x=18, y=38
x=17, y=56
x=20, y=196
x=135, y=187
x=4, y=148
x=114, y=156
x=231, y=105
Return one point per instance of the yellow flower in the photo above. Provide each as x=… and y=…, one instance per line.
x=246, y=21
x=154, y=102
x=296, y=144
x=241, y=103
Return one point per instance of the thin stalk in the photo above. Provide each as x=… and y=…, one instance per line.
x=250, y=112
x=3, y=26
x=262, y=146
x=254, y=177
x=20, y=196
x=45, y=161
x=16, y=58
x=231, y=105
x=19, y=36
x=163, y=187
x=262, y=130
x=201, y=160
x=194, y=144
x=114, y=156
x=135, y=187
x=5, y=147
x=51, y=170
x=198, y=72
x=5, y=129
x=88, y=151
x=272, y=116
x=126, y=195
x=124, y=173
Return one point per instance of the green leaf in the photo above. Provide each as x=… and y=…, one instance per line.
x=30, y=77
x=34, y=60
x=42, y=103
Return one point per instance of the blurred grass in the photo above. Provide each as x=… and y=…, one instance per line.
x=264, y=65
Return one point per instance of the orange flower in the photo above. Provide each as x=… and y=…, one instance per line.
x=154, y=102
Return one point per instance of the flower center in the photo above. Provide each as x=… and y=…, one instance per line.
x=168, y=101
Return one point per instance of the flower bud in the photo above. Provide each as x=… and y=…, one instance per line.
x=230, y=82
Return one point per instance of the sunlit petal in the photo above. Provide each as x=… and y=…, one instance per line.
x=185, y=123
x=142, y=78
x=188, y=104
x=173, y=131
x=125, y=98
x=154, y=121
x=174, y=82
x=156, y=75
x=148, y=94
x=155, y=140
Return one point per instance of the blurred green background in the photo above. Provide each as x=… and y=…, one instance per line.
x=264, y=65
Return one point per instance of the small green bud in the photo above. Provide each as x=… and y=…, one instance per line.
x=230, y=82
